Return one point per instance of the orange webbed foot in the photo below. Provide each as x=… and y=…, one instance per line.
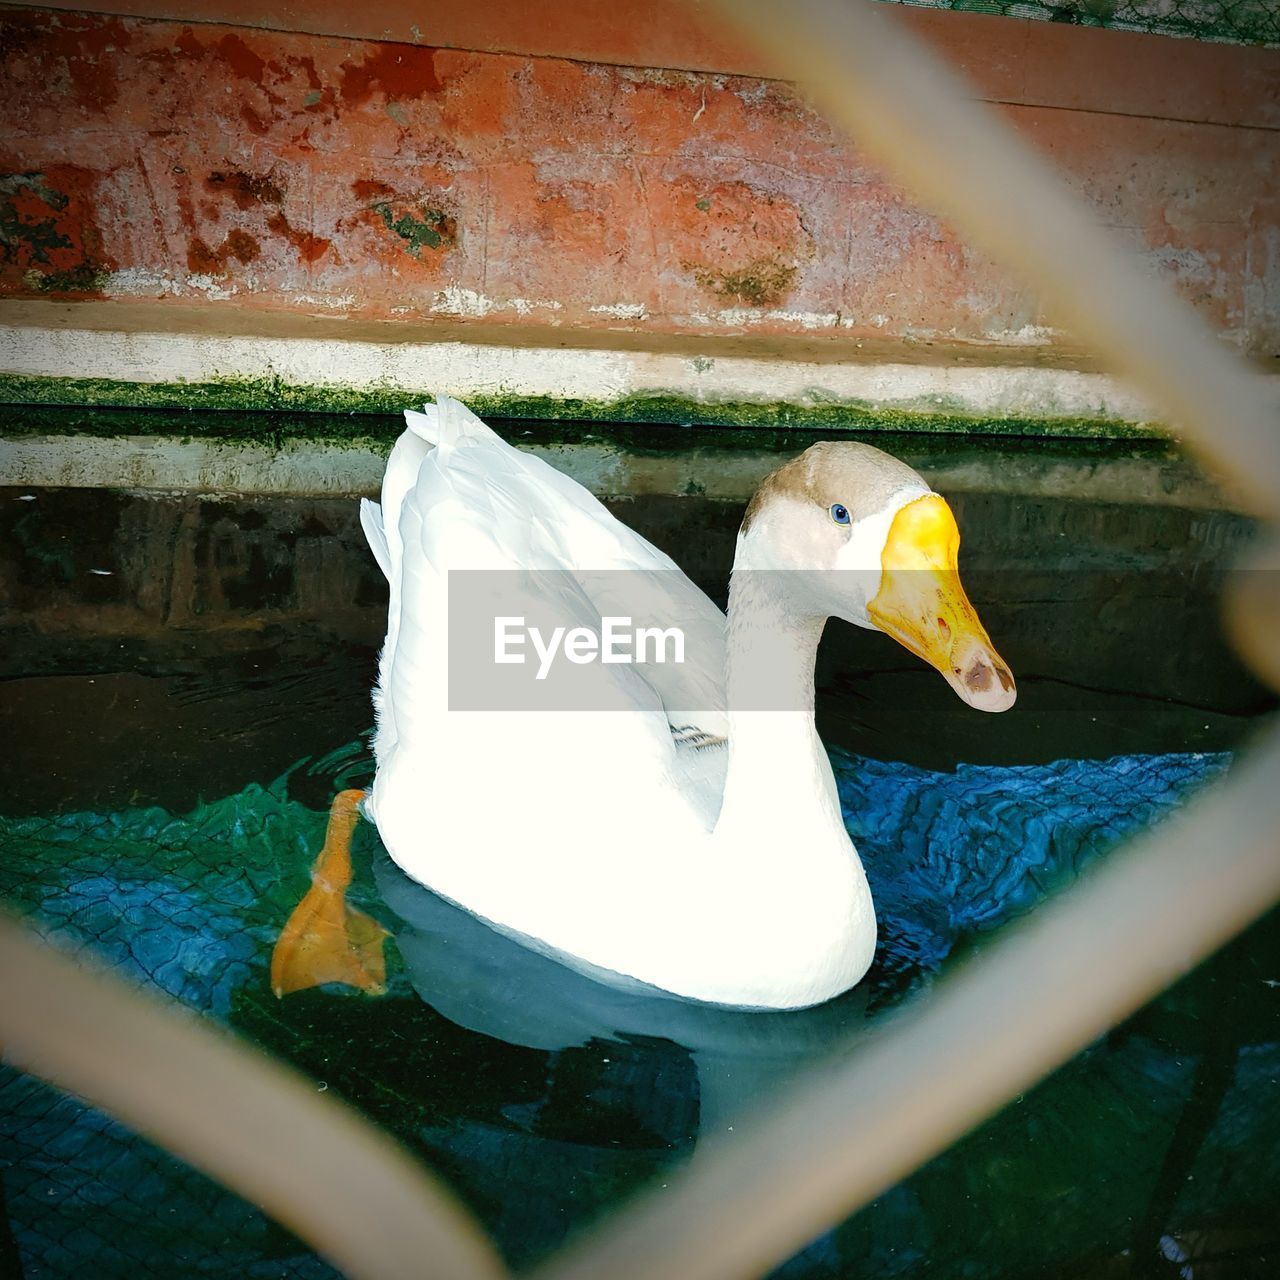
x=326, y=939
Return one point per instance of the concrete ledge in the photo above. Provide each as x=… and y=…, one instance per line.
x=185, y=370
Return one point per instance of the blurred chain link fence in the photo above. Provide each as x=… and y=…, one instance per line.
x=187, y=905
x=202, y=956
x=1234, y=21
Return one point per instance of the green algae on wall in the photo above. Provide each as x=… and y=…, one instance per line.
x=346, y=412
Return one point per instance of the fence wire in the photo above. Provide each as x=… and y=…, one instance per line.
x=1229, y=21
x=1209, y=897
x=186, y=906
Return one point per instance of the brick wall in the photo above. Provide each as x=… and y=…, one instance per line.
x=606, y=167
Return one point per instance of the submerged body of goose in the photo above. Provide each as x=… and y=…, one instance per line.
x=672, y=823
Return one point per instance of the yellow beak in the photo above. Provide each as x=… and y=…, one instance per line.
x=922, y=605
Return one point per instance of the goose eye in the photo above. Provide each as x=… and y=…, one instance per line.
x=840, y=513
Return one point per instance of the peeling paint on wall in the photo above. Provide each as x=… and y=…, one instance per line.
x=413, y=221
x=396, y=181
x=50, y=242
x=430, y=229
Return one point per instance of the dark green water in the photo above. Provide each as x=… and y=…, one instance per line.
x=188, y=682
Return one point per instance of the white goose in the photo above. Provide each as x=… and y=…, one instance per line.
x=687, y=834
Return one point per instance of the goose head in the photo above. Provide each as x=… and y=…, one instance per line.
x=853, y=533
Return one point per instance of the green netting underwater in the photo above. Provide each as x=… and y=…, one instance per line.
x=544, y=1097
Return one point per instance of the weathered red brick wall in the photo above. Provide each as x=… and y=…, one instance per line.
x=299, y=171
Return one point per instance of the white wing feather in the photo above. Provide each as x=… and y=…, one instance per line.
x=478, y=502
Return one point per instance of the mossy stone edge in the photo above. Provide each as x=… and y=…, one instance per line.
x=269, y=410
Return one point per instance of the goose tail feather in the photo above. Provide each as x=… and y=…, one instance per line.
x=376, y=534
x=447, y=422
